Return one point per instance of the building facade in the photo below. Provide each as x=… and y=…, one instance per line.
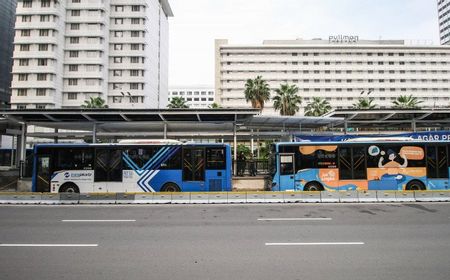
x=200, y=97
x=66, y=51
x=444, y=21
x=339, y=70
x=7, y=19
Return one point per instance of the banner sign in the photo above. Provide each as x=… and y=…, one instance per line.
x=422, y=136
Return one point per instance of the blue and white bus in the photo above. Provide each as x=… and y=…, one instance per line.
x=132, y=166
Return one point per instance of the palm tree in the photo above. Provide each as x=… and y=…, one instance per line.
x=177, y=103
x=215, y=106
x=317, y=107
x=257, y=92
x=94, y=103
x=407, y=102
x=364, y=104
x=286, y=100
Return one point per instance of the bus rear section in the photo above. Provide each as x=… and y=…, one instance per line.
x=131, y=168
x=342, y=166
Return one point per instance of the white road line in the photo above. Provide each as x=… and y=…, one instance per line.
x=95, y=221
x=295, y=219
x=48, y=245
x=315, y=244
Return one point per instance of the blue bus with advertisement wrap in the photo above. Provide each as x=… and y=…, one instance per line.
x=132, y=166
x=360, y=165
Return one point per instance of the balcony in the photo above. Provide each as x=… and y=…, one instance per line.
x=36, y=40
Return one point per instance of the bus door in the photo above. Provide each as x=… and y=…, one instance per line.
x=43, y=174
x=287, y=172
x=194, y=169
x=216, y=175
x=108, y=171
x=352, y=168
x=437, y=167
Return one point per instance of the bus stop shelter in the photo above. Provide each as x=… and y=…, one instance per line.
x=180, y=124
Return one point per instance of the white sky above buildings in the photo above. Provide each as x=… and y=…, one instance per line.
x=197, y=23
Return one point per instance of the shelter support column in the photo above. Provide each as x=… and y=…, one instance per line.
x=234, y=149
x=414, y=126
x=55, y=139
x=22, y=150
x=94, y=133
x=252, y=143
x=165, y=130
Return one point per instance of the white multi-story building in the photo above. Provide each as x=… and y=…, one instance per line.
x=67, y=51
x=195, y=96
x=444, y=20
x=338, y=69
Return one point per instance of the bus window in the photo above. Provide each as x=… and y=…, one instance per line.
x=43, y=174
x=108, y=165
x=437, y=162
x=215, y=158
x=345, y=163
x=74, y=159
x=286, y=164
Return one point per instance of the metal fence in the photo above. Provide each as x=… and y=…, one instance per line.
x=255, y=167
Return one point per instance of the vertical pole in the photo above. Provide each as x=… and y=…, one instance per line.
x=94, y=133
x=252, y=143
x=235, y=149
x=345, y=127
x=12, y=150
x=258, y=146
x=23, y=150
x=414, y=126
x=55, y=139
x=165, y=130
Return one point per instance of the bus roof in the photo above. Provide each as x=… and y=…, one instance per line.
x=123, y=145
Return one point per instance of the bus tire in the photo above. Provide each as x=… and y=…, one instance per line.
x=170, y=187
x=415, y=185
x=313, y=187
x=69, y=188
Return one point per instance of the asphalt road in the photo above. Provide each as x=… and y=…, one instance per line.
x=369, y=241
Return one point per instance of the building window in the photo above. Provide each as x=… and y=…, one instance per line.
x=43, y=47
x=135, y=33
x=134, y=99
x=117, y=99
x=44, y=32
x=25, y=33
x=119, y=8
x=40, y=106
x=117, y=73
x=25, y=48
x=135, y=8
x=73, y=54
x=73, y=68
x=134, y=47
x=118, y=21
x=134, y=85
x=117, y=60
x=27, y=3
x=74, y=40
x=76, y=1
x=22, y=92
x=118, y=34
x=134, y=73
x=23, y=77
x=75, y=13
x=42, y=62
x=72, y=96
x=26, y=18
x=23, y=62
x=45, y=3
x=41, y=77
x=118, y=47
x=40, y=92
x=74, y=26
x=73, y=82
x=134, y=59
x=135, y=21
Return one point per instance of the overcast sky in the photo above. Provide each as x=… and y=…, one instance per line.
x=198, y=22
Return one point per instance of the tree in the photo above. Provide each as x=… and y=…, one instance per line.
x=318, y=107
x=365, y=104
x=94, y=103
x=257, y=92
x=177, y=103
x=215, y=106
x=406, y=102
x=287, y=100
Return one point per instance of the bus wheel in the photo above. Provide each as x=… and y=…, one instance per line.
x=415, y=185
x=313, y=187
x=69, y=188
x=170, y=187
